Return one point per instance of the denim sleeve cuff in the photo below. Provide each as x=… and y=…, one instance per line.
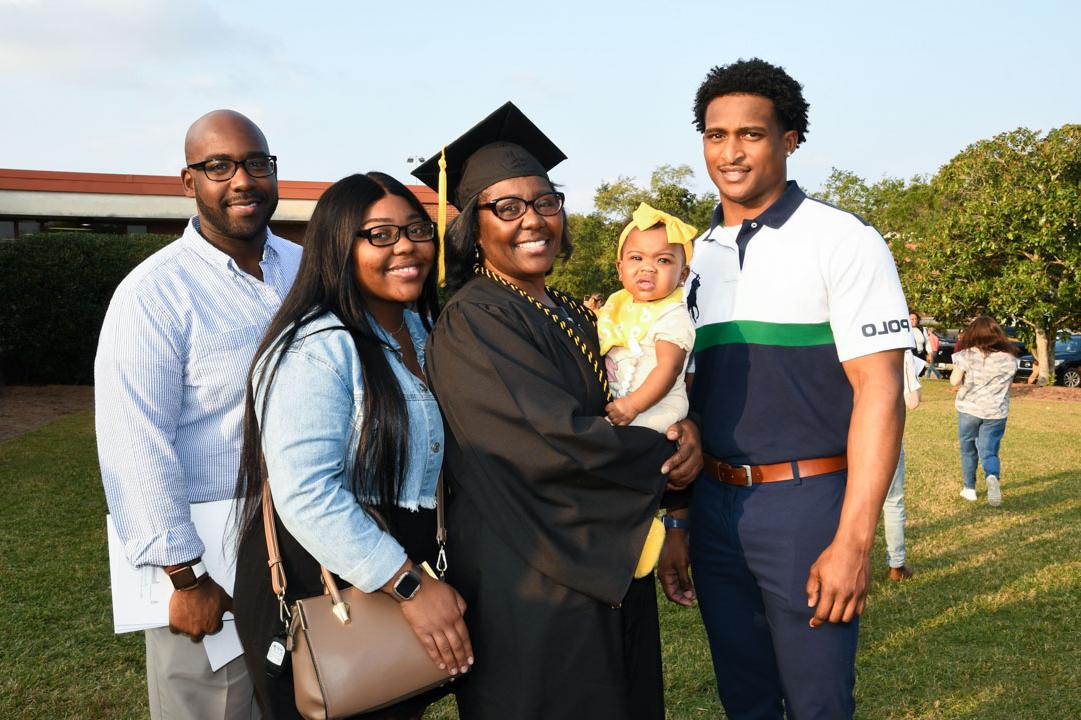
x=374, y=571
x=170, y=547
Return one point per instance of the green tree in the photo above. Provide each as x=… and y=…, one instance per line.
x=848, y=191
x=1007, y=242
x=902, y=211
x=592, y=267
x=667, y=191
x=906, y=214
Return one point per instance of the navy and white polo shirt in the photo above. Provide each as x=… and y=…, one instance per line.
x=779, y=303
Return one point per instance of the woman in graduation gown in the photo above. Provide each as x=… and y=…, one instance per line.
x=551, y=503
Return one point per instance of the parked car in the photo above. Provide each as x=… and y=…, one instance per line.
x=1067, y=363
x=947, y=341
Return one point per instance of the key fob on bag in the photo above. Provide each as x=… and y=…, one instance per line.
x=277, y=656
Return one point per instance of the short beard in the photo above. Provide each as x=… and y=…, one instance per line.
x=220, y=220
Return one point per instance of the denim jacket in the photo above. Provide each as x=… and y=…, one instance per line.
x=310, y=428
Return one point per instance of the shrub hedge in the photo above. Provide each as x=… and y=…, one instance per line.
x=54, y=290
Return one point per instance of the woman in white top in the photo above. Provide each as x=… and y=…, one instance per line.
x=985, y=362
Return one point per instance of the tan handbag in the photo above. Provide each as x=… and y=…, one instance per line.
x=352, y=651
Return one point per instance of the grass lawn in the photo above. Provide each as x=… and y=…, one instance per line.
x=988, y=627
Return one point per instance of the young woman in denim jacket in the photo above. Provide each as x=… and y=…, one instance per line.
x=338, y=406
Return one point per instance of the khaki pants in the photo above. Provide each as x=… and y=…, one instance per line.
x=180, y=684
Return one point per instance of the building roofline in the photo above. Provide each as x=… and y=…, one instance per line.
x=159, y=185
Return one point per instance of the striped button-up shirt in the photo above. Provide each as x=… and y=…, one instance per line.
x=170, y=375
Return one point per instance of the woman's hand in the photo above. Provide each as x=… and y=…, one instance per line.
x=683, y=467
x=435, y=614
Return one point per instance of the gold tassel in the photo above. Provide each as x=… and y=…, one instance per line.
x=441, y=216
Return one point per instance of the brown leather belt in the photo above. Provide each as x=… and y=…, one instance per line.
x=753, y=474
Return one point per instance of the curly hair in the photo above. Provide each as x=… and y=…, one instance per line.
x=755, y=77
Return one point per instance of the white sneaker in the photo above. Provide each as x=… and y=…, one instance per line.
x=969, y=494
x=994, y=492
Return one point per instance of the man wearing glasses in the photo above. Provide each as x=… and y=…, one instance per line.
x=172, y=360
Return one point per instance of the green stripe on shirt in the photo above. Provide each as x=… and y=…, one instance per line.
x=754, y=332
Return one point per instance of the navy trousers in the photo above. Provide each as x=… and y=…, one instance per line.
x=751, y=548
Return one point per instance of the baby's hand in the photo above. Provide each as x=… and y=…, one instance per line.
x=621, y=411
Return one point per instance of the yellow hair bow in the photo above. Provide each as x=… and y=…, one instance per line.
x=645, y=217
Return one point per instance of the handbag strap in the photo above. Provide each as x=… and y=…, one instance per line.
x=274, y=557
x=277, y=569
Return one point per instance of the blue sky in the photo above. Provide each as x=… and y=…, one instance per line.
x=339, y=87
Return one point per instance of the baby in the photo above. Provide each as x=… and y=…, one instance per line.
x=645, y=331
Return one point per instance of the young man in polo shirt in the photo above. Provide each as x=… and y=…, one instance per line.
x=802, y=326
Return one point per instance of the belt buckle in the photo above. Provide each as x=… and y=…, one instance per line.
x=747, y=472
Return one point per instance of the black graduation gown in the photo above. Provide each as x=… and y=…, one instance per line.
x=550, y=510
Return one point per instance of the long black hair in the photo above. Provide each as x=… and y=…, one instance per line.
x=325, y=283
x=462, y=251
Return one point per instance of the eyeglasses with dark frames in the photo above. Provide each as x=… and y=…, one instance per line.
x=222, y=169
x=387, y=235
x=511, y=208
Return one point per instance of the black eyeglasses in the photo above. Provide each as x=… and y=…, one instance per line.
x=512, y=208
x=387, y=235
x=222, y=169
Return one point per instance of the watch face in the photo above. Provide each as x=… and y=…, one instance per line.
x=183, y=578
x=407, y=586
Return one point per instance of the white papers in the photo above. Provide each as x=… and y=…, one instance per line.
x=224, y=646
x=141, y=595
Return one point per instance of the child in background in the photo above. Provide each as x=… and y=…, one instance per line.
x=645, y=331
x=984, y=364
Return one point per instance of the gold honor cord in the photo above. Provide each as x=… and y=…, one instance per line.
x=562, y=297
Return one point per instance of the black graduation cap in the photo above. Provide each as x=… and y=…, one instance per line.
x=506, y=144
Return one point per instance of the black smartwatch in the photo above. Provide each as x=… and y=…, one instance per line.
x=407, y=584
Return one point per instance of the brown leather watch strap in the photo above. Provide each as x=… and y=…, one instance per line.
x=186, y=576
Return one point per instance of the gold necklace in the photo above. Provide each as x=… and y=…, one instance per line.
x=395, y=332
x=568, y=301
